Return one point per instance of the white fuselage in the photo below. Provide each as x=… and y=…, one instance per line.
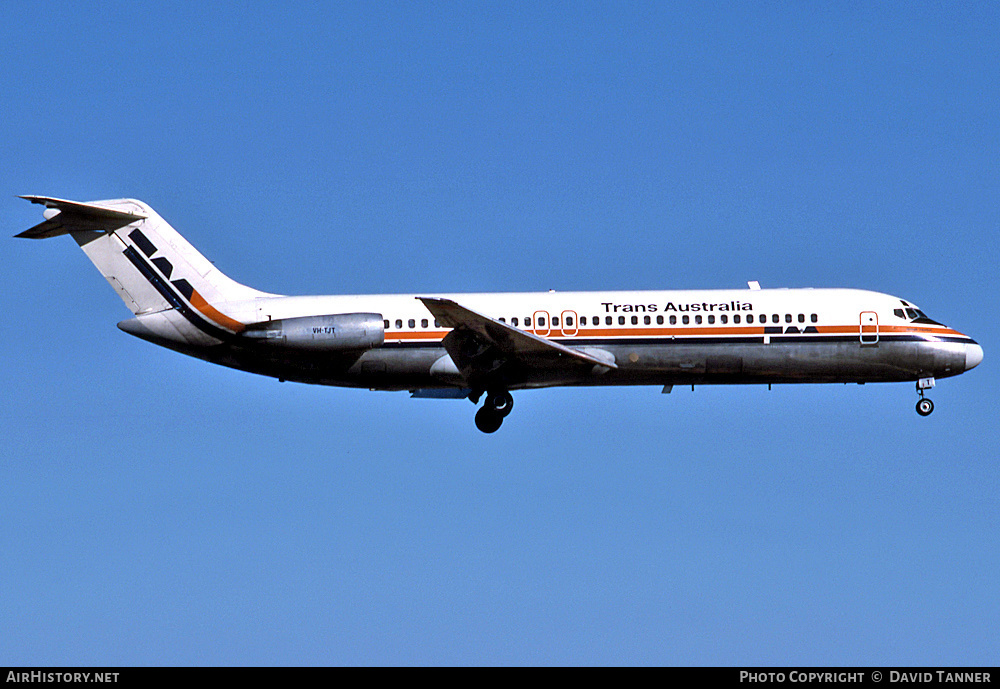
x=654, y=337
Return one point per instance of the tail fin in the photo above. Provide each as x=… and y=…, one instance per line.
x=151, y=267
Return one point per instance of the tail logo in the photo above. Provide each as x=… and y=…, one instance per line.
x=181, y=287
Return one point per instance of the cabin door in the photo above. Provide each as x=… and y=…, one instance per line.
x=542, y=323
x=869, y=328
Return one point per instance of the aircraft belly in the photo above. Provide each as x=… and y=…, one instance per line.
x=760, y=363
x=671, y=363
x=396, y=368
x=943, y=359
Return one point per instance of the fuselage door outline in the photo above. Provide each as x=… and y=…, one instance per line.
x=541, y=330
x=569, y=331
x=868, y=330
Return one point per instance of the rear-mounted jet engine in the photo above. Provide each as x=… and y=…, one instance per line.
x=341, y=332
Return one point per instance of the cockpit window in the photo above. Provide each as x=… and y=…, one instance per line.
x=916, y=316
x=922, y=318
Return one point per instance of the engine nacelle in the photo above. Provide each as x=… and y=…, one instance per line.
x=339, y=332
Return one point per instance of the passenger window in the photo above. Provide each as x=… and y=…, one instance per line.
x=788, y=318
x=502, y=319
x=673, y=320
x=527, y=321
x=621, y=320
x=697, y=320
x=736, y=318
x=646, y=320
x=513, y=321
x=749, y=318
x=711, y=320
x=555, y=320
x=813, y=318
x=412, y=323
x=423, y=322
x=607, y=320
x=775, y=318
x=723, y=319
x=685, y=319
x=635, y=320
x=385, y=325
x=802, y=318
x=659, y=320
x=569, y=320
x=541, y=322
x=399, y=322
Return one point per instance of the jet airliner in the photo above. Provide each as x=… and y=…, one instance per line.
x=484, y=346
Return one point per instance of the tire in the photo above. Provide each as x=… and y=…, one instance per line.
x=925, y=407
x=500, y=402
x=488, y=420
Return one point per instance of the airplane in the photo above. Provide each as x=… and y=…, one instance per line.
x=487, y=345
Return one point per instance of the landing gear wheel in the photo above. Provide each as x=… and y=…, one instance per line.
x=924, y=406
x=488, y=420
x=500, y=402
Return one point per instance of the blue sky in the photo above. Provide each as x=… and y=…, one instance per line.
x=155, y=509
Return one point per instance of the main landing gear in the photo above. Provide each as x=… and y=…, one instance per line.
x=924, y=405
x=497, y=406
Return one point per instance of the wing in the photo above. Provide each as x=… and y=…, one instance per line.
x=64, y=216
x=486, y=350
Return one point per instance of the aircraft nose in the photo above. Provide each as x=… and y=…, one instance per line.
x=973, y=355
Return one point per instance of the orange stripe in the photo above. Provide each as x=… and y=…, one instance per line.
x=207, y=309
x=919, y=330
x=416, y=335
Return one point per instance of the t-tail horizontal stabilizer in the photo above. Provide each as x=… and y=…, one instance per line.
x=63, y=217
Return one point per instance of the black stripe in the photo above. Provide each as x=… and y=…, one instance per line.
x=164, y=266
x=142, y=242
x=668, y=339
x=184, y=287
x=173, y=298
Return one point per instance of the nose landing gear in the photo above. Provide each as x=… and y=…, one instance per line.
x=924, y=405
x=497, y=406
